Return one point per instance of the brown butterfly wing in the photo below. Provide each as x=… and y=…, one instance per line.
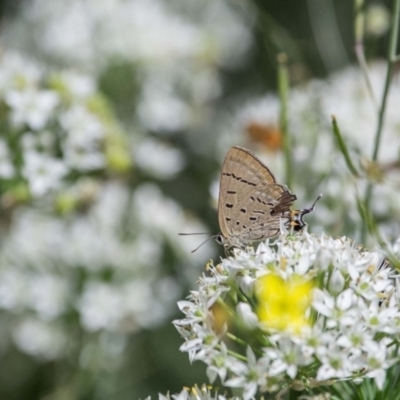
x=251, y=203
x=262, y=217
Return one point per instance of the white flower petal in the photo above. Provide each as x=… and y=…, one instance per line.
x=191, y=345
x=345, y=299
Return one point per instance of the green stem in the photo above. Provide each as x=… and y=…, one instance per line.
x=243, y=343
x=359, y=20
x=234, y=354
x=283, y=88
x=242, y=296
x=392, y=58
x=393, y=40
x=359, y=27
x=236, y=339
x=343, y=147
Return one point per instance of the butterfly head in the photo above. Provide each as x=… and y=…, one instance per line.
x=296, y=216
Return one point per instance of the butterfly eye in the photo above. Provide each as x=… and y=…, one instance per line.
x=219, y=239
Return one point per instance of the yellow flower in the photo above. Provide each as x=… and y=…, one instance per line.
x=283, y=303
x=219, y=317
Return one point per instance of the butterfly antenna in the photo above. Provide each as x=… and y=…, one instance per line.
x=201, y=244
x=199, y=233
x=311, y=209
x=296, y=216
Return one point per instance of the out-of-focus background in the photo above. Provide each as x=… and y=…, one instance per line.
x=115, y=118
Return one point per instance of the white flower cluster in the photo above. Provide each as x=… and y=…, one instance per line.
x=355, y=313
x=52, y=124
x=159, y=32
x=196, y=393
x=166, y=43
x=52, y=267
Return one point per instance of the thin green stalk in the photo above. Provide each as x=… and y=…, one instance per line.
x=236, y=339
x=283, y=88
x=393, y=41
x=366, y=223
x=392, y=58
x=359, y=28
x=365, y=218
x=234, y=354
x=359, y=21
x=243, y=343
x=343, y=147
x=244, y=298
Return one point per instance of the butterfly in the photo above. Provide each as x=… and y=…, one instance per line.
x=252, y=205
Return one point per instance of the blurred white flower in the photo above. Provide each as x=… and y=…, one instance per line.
x=262, y=111
x=137, y=295
x=81, y=125
x=42, y=172
x=17, y=71
x=167, y=45
x=101, y=307
x=79, y=85
x=86, y=233
x=40, y=339
x=176, y=39
x=160, y=217
x=44, y=140
x=71, y=122
x=84, y=135
x=146, y=250
x=48, y=295
x=348, y=99
x=155, y=212
x=156, y=295
x=159, y=159
x=108, y=211
x=31, y=107
x=71, y=32
x=13, y=289
x=144, y=31
x=34, y=236
x=160, y=108
x=49, y=253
